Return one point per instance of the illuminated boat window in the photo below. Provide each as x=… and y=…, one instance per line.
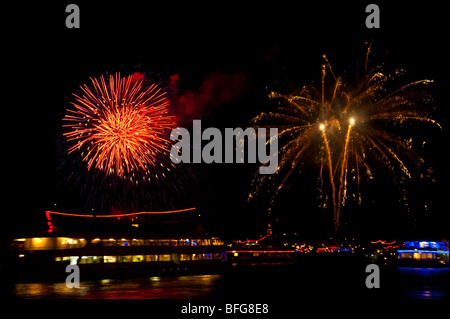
x=109, y=242
x=47, y=243
x=207, y=256
x=150, y=242
x=164, y=242
x=206, y=242
x=90, y=260
x=151, y=257
x=109, y=259
x=41, y=243
x=196, y=242
x=155, y=242
x=184, y=257
x=123, y=242
x=137, y=242
x=96, y=242
x=187, y=242
x=73, y=260
x=137, y=258
x=69, y=243
x=125, y=259
x=165, y=257
x=64, y=259
x=422, y=255
x=197, y=257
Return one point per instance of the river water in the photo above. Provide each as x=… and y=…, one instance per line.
x=255, y=281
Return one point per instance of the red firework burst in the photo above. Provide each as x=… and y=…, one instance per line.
x=120, y=125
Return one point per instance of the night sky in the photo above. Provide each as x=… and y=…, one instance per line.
x=261, y=46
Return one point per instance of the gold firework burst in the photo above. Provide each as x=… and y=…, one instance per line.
x=343, y=128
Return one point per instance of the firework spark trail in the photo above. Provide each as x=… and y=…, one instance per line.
x=343, y=176
x=347, y=128
x=330, y=168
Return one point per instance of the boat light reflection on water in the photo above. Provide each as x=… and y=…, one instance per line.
x=154, y=287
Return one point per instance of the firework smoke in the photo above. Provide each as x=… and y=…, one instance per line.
x=216, y=89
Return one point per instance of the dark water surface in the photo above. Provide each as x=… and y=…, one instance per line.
x=257, y=282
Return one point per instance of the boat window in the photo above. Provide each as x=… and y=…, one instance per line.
x=69, y=243
x=137, y=242
x=151, y=257
x=73, y=260
x=109, y=242
x=165, y=257
x=109, y=259
x=40, y=243
x=164, y=242
x=184, y=257
x=137, y=258
x=96, y=242
x=216, y=241
x=18, y=244
x=196, y=242
x=184, y=242
x=224, y=256
x=206, y=242
x=207, y=256
x=196, y=256
x=123, y=242
x=151, y=242
x=125, y=259
x=90, y=260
